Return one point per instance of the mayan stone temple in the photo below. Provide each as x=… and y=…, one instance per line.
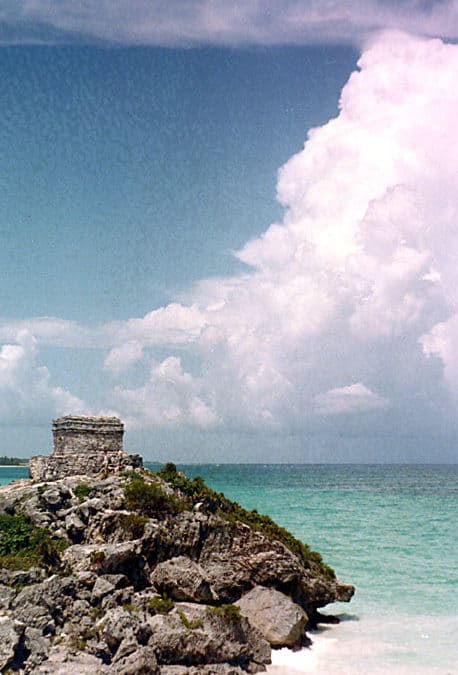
x=84, y=445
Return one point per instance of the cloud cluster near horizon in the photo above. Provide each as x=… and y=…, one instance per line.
x=349, y=306
x=218, y=22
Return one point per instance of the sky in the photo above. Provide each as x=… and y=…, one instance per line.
x=234, y=225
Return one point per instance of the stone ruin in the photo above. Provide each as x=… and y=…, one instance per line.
x=84, y=445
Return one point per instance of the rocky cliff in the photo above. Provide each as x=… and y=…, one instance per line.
x=146, y=573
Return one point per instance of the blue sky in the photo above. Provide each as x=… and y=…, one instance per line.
x=173, y=254
x=128, y=174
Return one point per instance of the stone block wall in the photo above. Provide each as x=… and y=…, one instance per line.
x=84, y=446
x=53, y=467
x=84, y=434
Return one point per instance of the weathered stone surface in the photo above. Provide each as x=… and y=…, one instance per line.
x=81, y=434
x=37, y=645
x=61, y=662
x=183, y=579
x=10, y=634
x=84, y=445
x=134, y=659
x=118, y=624
x=102, y=587
x=275, y=615
x=212, y=638
x=42, y=605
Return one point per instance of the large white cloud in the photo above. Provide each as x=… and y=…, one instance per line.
x=191, y=22
x=362, y=266
x=348, y=309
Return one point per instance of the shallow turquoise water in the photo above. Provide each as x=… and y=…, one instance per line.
x=392, y=531
x=9, y=473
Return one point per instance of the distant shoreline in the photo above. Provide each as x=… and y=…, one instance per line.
x=13, y=466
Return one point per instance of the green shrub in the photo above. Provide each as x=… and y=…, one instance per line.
x=192, y=624
x=97, y=557
x=162, y=605
x=129, y=607
x=230, y=613
x=23, y=545
x=132, y=524
x=149, y=499
x=83, y=491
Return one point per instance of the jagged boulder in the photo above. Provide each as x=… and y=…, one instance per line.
x=183, y=579
x=10, y=634
x=275, y=615
x=193, y=634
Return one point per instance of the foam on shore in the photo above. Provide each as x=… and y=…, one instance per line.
x=400, y=645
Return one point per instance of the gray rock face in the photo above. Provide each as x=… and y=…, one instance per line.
x=183, y=579
x=275, y=615
x=10, y=633
x=193, y=635
x=104, y=612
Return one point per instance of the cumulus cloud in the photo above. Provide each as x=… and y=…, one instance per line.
x=356, y=398
x=170, y=397
x=361, y=267
x=26, y=392
x=48, y=331
x=350, y=304
x=197, y=22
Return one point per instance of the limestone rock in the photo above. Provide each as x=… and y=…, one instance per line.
x=192, y=635
x=10, y=634
x=141, y=660
x=61, y=662
x=275, y=615
x=183, y=579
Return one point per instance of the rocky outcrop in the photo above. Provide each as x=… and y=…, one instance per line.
x=280, y=620
x=147, y=584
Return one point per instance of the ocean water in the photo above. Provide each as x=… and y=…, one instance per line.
x=10, y=473
x=391, y=530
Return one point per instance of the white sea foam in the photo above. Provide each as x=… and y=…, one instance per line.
x=398, y=645
x=287, y=662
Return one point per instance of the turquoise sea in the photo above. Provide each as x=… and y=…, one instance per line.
x=392, y=531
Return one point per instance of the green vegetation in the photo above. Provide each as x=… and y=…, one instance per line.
x=129, y=607
x=23, y=545
x=150, y=499
x=96, y=557
x=216, y=502
x=13, y=461
x=162, y=605
x=192, y=624
x=83, y=492
x=132, y=524
x=230, y=613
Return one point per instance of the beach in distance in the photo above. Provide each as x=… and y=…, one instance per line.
x=388, y=529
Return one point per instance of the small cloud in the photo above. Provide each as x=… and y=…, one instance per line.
x=355, y=398
x=26, y=392
x=123, y=357
x=170, y=397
